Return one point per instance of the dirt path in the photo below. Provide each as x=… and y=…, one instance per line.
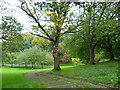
x=56, y=81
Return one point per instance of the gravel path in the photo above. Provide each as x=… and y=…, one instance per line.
x=48, y=81
x=57, y=81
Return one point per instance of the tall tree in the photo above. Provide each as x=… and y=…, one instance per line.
x=11, y=37
x=51, y=19
x=96, y=16
x=109, y=42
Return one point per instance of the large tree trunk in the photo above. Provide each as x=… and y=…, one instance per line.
x=92, y=55
x=56, y=57
x=41, y=65
x=110, y=50
x=32, y=65
x=56, y=64
x=111, y=55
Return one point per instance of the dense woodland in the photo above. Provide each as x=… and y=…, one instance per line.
x=62, y=32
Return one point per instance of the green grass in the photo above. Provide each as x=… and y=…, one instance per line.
x=0, y=78
x=13, y=78
x=71, y=64
x=30, y=66
x=103, y=72
x=66, y=64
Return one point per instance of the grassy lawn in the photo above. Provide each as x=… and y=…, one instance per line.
x=13, y=78
x=36, y=66
x=66, y=64
x=103, y=72
x=0, y=78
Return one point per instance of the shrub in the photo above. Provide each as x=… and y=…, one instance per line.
x=97, y=58
x=49, y=58
x=22, y=58
x=12, y=58
x=75, y=60
x=34, y=56
x=66, y=58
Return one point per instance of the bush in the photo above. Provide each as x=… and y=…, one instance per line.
x=34, y=56
x=66, y=58
x=22, y=58
x=49, y=58
x=12, y=58
x=97, y=58
x=75, y=60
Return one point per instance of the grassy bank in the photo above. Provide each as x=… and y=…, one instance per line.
x=106, y=72
x=13, y=78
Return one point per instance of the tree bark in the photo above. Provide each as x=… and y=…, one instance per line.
x=41, y=65
x=32, y=65
x=111, y=54
x=56, y=58
x=92, y=55
x=110, y=50
x=56, y=64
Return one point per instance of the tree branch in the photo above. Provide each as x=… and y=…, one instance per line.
x=96, y=43
x=103, y=12
x=40, y=36
x=71, y=30
x=32, y=16
x=113, y=14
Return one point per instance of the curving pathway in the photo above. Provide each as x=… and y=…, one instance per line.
x=57, y=81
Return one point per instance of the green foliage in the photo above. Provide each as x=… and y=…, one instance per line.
x=76, y=47
x=97, y=57
x=55, y=13
x=30, y=40
x=40, y=41
x=22, y=58
x=27, y=40
x=56, y=17
x=97, y=25
x=109, y=42
x=10, y=25
x=35, y=55
x=12, y=58
x=75, y=60
x=11, y=36
x=48, y=59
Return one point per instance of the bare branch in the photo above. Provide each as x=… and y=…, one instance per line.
x=40, y=36
x=32, y=16
x=71, y=30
